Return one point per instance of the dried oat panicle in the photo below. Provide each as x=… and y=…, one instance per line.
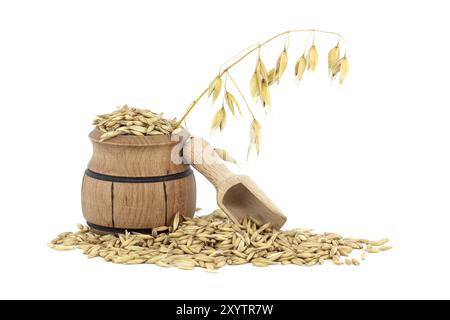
x=213, y=241
x=262, y=78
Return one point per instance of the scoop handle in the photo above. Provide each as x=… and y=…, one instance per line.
x=199, y=153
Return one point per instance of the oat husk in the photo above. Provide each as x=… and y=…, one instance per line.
x=213, y=241
x=333, y=58
x=313, y=58
x=133, y=121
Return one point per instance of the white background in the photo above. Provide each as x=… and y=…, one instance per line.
x=370, y=159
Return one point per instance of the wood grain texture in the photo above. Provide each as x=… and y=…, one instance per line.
x=202, y=156
x=133, y=156
x=139, y=205
x=181, y=197
x=136, y=205
x=238, y=196
x=97, y=201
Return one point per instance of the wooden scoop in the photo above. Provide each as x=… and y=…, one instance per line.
x=238, y=196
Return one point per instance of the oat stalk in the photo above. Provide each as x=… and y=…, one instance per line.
x=248, y=51
x=263, y=78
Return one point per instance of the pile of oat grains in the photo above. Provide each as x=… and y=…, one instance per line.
x=213, y=241
x=133, y=121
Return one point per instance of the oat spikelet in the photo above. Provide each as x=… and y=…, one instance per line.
x=255, y=137
x=265, y=95
x=344, y=67
x=261, y=74
x=313, y=58
x=214, y=88
x=232, y=103
x=261, y=70
x=219, y=119
x=254, y=87
x=225, y=156
x=333, y=58
x=281, y=65
x=300, y=67
x=271, y=75
x=336, y=69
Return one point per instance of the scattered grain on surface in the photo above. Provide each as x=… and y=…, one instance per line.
x=213, y=241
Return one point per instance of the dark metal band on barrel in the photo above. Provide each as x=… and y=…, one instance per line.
x=169, y=177
x=117, y=230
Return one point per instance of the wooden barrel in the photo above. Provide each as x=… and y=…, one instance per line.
x=132, y=184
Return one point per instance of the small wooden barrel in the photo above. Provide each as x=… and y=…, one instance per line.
x=132, y=184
